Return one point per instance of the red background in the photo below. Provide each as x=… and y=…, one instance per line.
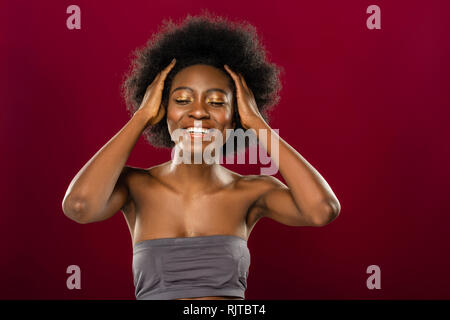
x=369, y=109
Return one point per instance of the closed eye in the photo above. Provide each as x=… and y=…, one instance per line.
x=182, y=101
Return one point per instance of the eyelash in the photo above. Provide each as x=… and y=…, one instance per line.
x=214, y=103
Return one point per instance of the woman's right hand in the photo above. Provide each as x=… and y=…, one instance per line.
x=151, y=105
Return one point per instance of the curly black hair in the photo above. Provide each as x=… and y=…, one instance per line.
x=204, y=39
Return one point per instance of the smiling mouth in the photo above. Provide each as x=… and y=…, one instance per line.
x=196, y=130
x=199, y=132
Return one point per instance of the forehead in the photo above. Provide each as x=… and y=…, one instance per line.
x=201, y=77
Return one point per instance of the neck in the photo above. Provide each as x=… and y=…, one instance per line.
x=199, y=177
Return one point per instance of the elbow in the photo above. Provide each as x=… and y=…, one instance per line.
x=76, y=210
x=328, y=212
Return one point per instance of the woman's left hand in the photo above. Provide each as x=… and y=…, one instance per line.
x=247, y=108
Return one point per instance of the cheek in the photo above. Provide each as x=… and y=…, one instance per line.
x=224, y=119
x=228, y=117
x=173, y=116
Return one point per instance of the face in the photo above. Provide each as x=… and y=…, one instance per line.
x=200, y=94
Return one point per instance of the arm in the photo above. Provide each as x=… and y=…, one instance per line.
x=307, y=200
x=99, y=189
x=96, y=192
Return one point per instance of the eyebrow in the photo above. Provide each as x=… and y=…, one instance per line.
x=207, y=91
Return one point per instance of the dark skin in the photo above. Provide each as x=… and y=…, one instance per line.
x=187, y=200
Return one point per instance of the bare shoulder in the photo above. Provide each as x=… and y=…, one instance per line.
x=254, y=180
x=256, y=187
x=156, y=170
x=153, y=171
x=132, y=179
x=261, y=182
x=130, y=172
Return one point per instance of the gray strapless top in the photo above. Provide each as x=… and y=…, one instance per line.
x=174, y=268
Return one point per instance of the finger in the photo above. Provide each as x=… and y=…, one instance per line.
x=235, y=77
x=242, y=78
x=246, y=86
x=231, y=72
x=155, y=80
x=160, y=115
x=241, y=86
x=163, y=74
x=243, y=81
x=161, y=112
x=169, y=66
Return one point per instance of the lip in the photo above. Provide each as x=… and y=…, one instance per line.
x=206, y=135
x=202, y=136
x=197, y=134
x=192, y=126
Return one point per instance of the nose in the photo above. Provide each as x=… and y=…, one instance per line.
x=198, y=111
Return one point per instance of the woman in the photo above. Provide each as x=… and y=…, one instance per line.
x=190, y=222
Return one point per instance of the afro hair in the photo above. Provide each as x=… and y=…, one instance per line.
x=203, y=39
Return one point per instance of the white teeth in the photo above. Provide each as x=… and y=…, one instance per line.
x=197, y=130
